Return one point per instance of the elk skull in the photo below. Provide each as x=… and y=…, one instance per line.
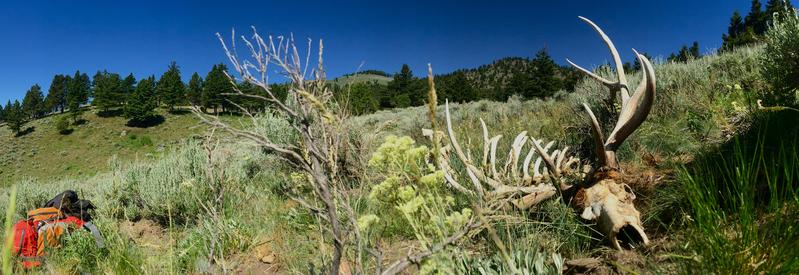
x=601, y=198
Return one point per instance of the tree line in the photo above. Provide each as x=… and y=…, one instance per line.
x=539, y=77
x=751, y=29
x=112, y=94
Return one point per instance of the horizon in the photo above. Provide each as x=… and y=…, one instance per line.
x=143, y=38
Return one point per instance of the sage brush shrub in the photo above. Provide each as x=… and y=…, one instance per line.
x=414, y=193
x=780, y=60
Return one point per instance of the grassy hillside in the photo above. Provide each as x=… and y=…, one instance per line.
x=361, y=77
x=155, y=215
x=45, y=154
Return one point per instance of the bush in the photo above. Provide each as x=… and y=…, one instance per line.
x=62, y=125
x=781, y=60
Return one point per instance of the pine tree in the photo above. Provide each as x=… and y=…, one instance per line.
x=404, y=90
x=141, y=102
x=77, y=94
x=360, y=98
x=33, y=103
x=458, y=88
x=756, y=19
x=108, y=90
x=128, y=87
x=170, y=87
x=194, y=91
x=57, y=94
x=778, y=8
x=15, y=117
x=215, y=86
x=544, y=81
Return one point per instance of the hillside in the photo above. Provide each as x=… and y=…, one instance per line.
x=149, y=206
x=361, y=77
x=45, y=154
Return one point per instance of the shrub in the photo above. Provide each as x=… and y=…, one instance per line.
x=781, y=59
x=62, y=125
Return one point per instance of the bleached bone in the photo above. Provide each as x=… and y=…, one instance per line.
x=607, y=201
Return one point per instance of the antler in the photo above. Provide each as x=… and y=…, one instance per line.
x=634, y=109
x=488, y=181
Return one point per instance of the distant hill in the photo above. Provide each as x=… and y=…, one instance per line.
x=45, y=154
x=365, y=76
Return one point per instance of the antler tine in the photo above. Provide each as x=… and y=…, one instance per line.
x=515, y=151
x=526, y=165
x=494, y=143
x=486, y=142
x=622, y=78
x=608, y=83
x=537, y=166
x=546, y=157
x=459, y=152
x=634, y=113
x=596, y=132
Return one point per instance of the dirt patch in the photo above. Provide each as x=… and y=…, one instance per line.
x=259, y=260
x=146, y=233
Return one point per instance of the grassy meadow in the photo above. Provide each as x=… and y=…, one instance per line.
x=706, y=166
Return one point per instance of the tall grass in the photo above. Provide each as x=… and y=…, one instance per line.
x=744, y=201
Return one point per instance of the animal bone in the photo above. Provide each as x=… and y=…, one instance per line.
x=603, y=198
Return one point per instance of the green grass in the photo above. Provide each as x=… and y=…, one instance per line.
x=356, y=78
x=697, y=212
x=45, y=154
x=744, y=201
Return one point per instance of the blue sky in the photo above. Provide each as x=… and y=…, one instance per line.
x=43, y=38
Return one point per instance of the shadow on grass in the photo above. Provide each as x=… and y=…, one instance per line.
x=146, y=123
x=67, y=131
x=80, y=122
x=179, y=111
x=25, y=132
x=110, y=113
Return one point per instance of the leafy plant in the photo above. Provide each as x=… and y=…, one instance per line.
x=780, y=59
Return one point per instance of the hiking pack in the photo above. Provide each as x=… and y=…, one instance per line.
x=43, y=227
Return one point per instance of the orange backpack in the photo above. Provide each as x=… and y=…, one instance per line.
x=43, y=228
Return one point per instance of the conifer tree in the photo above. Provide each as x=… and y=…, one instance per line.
x=77, y=94
x=128, y=87
x=15, y=117
x=544, y=82
x=458, y=88
x=108, y=90
x=170, y=88
x=404, y=90
x=756, y=19
x=215, y=86
x=194, y=91
x=360, y=98
x=33, y=103
x=56, y=99
x=141, y=102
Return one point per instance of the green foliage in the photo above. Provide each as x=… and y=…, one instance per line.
x=141, y=103
x=33, y=103
x=78, y=89
x=57, y=94
x=456, y=88
x=780, y=61
x=194, y=91
x=529, y=260
x=361, y=98
x=415, y=190
x=685, y=54
x=108, y=90
x=751, y=29
x=216, y=84
x=15, y=116
x=403, y=91
x=744, y=200
x=170, y=88
x=62, y=126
